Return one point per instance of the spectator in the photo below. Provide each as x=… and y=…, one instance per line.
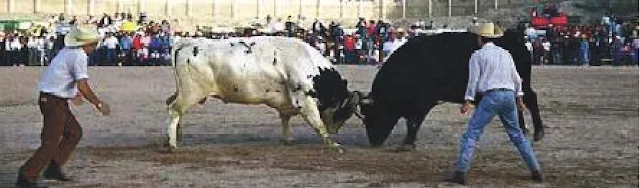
x=23, y=56
x=138, y=46
x=636, y=49
x=617, y=50
x=32, y=45
x=165, y=27
x=40, y=46
x=289, y=27
x=155, y=49
x=584, y=51
x=73, y=21
x=358, y=48
x=317, y=27
x=546, y=45
x=349, y=49
x=105, y=21
x=49, y=50
x=110, y=43
x=126, y=44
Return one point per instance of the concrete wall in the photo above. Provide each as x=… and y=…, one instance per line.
x=233, y=12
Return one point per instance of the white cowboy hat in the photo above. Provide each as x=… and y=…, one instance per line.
x=81, y=36
x=488, y=30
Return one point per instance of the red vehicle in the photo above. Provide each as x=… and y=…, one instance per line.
x=550, y=15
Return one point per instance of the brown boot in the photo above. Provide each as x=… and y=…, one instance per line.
x=536, y=175
x=459, y=178
x=54, y=172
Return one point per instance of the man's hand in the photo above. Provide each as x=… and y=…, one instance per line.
x=85, y=89
x=466, y=107
x=520, y=104
x=104, y=108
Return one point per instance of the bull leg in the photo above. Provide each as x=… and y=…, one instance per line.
x=413, y=126
x=286, y=138
x=177, y=107
x=311, y=115
x=531, y=100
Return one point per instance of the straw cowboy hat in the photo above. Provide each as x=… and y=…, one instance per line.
x=81, y=36
x=488, y=30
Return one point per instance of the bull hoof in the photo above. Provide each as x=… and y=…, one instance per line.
x=172, y=149
x=406, y=147
x=337, y=148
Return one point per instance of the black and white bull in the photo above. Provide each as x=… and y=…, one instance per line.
x=428, y=70
x=283, y=73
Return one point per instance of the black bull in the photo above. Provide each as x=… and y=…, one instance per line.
x=430, y=69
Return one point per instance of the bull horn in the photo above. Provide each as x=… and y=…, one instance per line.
x=358, y=114
x=356, y=97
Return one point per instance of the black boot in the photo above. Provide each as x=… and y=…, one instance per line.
x=54, y=172
x=536, y=175
x=459, y=178
x=23, y=182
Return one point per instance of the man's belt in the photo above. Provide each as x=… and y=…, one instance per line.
x=495, y=89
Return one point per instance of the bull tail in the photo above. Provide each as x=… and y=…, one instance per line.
x=174, y=58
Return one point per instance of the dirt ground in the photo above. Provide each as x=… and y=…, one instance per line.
x=592, y=138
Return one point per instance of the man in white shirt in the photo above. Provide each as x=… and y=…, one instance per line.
x=529, y=48
x=493, y=74
x=61, y=132
x=111, y=44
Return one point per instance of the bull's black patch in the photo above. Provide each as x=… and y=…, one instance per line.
x=275, y=60
x=195, y=51
x=330, y=90
x=311, y=93
x=248, y=46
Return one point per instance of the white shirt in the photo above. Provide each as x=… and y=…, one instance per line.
x=546, y=46
x=492, y=67
x=529, y=46
x=111, y=42
x=59, y=78
x=13, y=45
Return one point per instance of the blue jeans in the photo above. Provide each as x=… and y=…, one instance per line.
x=584, y=56
x=501, y=103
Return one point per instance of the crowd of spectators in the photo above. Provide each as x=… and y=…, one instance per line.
x=130, y=41
x=612, y=41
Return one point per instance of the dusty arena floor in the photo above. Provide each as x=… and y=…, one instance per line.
x=592, y=138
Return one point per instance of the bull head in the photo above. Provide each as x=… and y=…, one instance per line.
x=357, y=100
x=334, y=117
x=378, y=120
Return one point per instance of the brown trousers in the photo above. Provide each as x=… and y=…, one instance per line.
x=60, y=136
